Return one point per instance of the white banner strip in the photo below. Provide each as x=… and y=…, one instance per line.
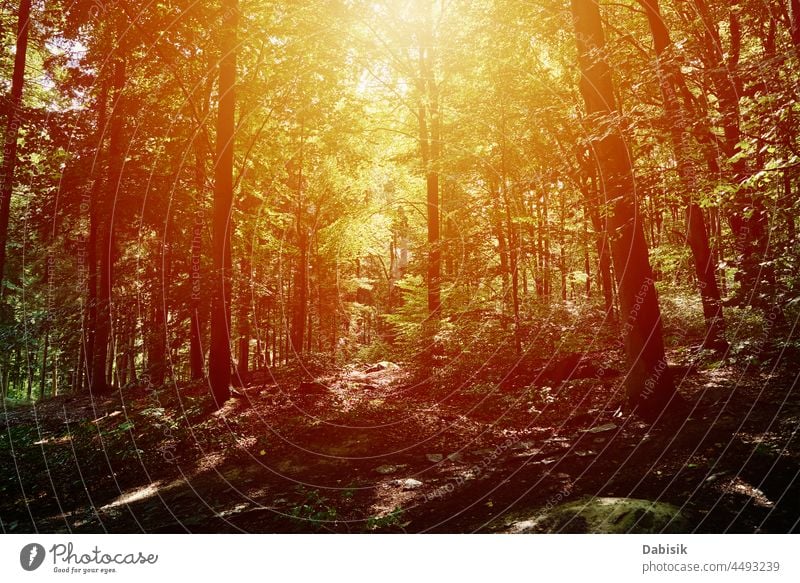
x=401, y=558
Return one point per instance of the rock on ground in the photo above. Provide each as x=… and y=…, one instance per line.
x=606, y=516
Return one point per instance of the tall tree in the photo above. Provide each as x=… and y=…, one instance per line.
x=219, y=364
x=106, y=238
x=794, y=23
x=430, y=146
x=13, y=109
x=300, y=281
x=678, y=123
x=649, y=385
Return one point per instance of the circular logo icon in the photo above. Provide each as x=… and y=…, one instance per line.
x=31, y=556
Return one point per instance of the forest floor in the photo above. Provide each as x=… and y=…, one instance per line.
x=371, y=449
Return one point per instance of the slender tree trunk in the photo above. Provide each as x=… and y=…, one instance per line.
x=121, y=360
x=13, y=114
x=748, y=217
x=697, y=233
x=48, y=282
x=219, y=362
x=276, y=326
x=546, y=245
x=195, y=344
x=131, y=353
x=112, y=353
x=309, y=329
x=29, y=372
x=43, y=377
x=502, y=247
x=98, y=382
x=77, y=374
x=649, y=385
x=562, y=244
x=587, y=264
x=90, y=316
x=794, y=23
x=429, y=126
x=196, y=302
x=54, y=389
x=591, y=197
x=17, y=366
x=156, y=345
x=787, y=206
x=300, y=304
x=243, y=366
x=513, y=255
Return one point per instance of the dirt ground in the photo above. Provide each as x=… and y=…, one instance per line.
x=371, y=449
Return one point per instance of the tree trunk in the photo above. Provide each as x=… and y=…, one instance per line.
x=195, y=344
x=43, y=377
x=697, y=233
x=29, y=372
x=98, y=382
x=12, y=129
x=429, y=129
x=794, y=23
x=157, y=346
x=243, y=366
x=649, y=385
x=748, y=217
x=219, y=362
x=502, y=247
x=300, y=305
x=90, y=317
x=195, y=270
x=562, y=244
x=54, y=389
x=513, y=256
x=546, y=248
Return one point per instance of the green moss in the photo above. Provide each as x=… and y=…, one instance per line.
x=606, y=516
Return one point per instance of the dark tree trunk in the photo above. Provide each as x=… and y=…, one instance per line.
x=243, y=366
x=679, y=124
x=429, y=130
x=13, y=113
x=587, y=265
x=195, y=344
x=502, y=247
x=748, y=217
x=43, y=377
x=649, y=385
x=90, y=317
x=196, y=302
x=219, y=362
x=98, y=383
x=546, y=245
x=787, y=206
x=157, y=346
x=48, y=282
x=602, y=244
x=562, y=244
x=513, y=256
x=794, y=23
x=300, y=305
x=29, y=373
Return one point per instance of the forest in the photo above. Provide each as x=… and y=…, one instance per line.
x=513, y=266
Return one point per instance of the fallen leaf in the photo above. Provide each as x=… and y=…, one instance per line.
x=602, y=428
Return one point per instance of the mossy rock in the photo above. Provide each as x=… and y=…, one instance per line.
x=606, y=516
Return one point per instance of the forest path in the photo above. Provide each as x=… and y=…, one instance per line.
x=366, y=448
